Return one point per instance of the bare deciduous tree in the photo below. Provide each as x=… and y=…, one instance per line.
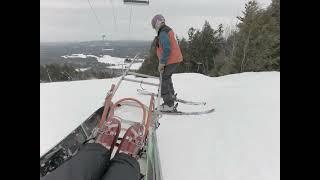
x=49, y=75
x=244, y=52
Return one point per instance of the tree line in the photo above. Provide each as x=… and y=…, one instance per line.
x=66, y=72
x=254, y=45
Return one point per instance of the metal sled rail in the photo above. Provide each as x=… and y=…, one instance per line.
x=142, y=82
x=142, y=75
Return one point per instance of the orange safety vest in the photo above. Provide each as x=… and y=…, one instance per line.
x=175, y=53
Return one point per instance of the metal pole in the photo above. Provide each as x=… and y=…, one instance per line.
x=124, y=74
x=143, y=82
x=142, y=75
x=159, y=93
x=157, y=164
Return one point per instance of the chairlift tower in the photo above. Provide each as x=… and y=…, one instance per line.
x=103, y=37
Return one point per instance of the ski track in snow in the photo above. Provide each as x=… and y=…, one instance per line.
x=240, y=140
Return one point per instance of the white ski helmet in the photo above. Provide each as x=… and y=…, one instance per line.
x=157, y=21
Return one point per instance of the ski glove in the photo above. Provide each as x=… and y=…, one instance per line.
x=161, y=68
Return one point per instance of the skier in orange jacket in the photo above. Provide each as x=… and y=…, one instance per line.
x=170, y=56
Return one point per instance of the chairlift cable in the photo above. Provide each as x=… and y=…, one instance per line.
x=99, y=22
x=130, y=21
x=114, y=15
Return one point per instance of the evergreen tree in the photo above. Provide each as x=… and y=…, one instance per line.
x=150, y=65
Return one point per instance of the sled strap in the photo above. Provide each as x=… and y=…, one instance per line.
x=115, y=105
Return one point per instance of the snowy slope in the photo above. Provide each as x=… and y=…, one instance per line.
x=240, y=140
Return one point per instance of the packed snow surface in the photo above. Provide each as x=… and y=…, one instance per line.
x=239, y=141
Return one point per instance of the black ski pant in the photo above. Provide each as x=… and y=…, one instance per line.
x=167, y=90
x=93, y=163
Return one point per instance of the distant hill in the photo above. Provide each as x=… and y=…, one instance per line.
x=51, y=52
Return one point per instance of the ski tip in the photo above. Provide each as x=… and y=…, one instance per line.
x=189, y=113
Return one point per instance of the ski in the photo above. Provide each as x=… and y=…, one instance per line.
x=176, y=112
x=144, y=92
x=188, y=113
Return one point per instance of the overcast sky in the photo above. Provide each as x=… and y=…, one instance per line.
x=73, y=20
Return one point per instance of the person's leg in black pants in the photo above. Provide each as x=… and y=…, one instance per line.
x=89, y=164
x=123, y=167
x=167, y=90
x=92, y=162
x=93, y=159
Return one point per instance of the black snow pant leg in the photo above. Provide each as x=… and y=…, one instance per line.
x=167, y=90
x=90, y=163
x=123, y=167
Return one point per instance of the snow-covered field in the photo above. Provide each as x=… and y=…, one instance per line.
x=116, y=62
x=74, y=56
x=240, y=140
x=83, y=69
x=108, y=49
x=79, y=56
